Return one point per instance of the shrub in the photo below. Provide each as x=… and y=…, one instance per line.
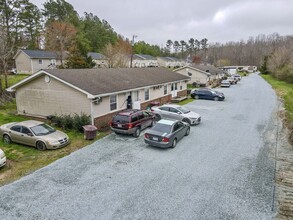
x=79, y=121
x=71, y=122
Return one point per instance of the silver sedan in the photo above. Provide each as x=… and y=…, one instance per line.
x=177, y=112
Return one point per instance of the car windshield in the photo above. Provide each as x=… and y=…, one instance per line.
x=121, y=118
x=183, y=110
x=42, y=129
x=164, y=128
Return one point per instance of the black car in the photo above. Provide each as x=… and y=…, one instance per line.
x=131, y=121
x=166, y=133
x=207, y=94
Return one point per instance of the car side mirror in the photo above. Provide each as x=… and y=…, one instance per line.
x=30, y=134
x=179, y=113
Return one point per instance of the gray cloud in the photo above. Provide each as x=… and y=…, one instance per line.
x=219, y=21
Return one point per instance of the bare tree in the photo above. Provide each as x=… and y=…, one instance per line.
x=6, y=52
x=59, y=37
x=118, y=54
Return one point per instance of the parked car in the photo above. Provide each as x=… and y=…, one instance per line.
x=225, y=83
x=177, y=112
x=209, y=94
x=166, y=133
x=33, y=133
x=237, y=77
x=131, y=121
x=2, y=158
x=232, y=80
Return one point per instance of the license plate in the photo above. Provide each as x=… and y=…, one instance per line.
x=119, y=126
x=155, y=138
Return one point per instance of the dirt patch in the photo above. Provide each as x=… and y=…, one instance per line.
x=284, y=170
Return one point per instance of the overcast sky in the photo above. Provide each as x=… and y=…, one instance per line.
x=156, y=21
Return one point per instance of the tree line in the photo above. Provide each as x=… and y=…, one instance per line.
x=271, y=53
x=58, y=27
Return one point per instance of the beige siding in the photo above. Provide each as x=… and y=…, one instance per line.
x=40, y=98
x=23, y=63
x=45, y=64
x=103, y=108
x=197, y=76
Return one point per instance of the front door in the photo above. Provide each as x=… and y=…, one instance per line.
x=174, y=90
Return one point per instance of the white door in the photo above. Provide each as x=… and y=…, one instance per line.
x=174, y=90
x=135, y=100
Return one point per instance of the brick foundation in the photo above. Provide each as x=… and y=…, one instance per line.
x=102, y=123
x=182, y=93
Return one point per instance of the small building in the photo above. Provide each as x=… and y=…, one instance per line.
x=99, y=59
x=30, y=61
x=202, y=75
x=143, y=60
x=99, y=93
x=234, y=69
x=170, y=62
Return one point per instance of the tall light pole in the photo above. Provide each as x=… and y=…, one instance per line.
x=132, y=44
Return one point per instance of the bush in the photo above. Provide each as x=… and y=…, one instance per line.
x=71, y=122
x=79, y=121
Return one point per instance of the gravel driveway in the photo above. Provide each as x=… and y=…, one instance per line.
x=222, y=170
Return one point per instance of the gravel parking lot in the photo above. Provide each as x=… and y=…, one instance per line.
x=223, y=170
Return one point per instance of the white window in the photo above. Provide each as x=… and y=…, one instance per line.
x=113, y=102
x=165, y=89
x=146, y=94
x=53, y=62
x=40, y=61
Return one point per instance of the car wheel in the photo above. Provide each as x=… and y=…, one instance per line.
x=137, y=132
x=158, y=117
x=41, y=145
x=152, y=124
x=216, y=98
x=6, y=139
x=186, y=120
x=174, y=143
x=196, y=97
x=187, y=132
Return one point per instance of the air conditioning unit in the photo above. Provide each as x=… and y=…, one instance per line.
x=97, y=100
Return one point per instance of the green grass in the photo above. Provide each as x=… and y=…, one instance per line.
x=186, y=101
x=285, y=91
x=13, y=79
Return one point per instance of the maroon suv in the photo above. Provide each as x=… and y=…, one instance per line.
x=131, y=121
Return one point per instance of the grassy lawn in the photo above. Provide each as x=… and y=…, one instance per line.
x=22, y=160
x=13, y=79
x=186, y=101
x=285, y=91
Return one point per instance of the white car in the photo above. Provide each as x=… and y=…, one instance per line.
x=177, y=112
x=225, y=83
x=2, y=158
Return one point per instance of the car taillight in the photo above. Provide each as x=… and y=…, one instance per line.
x=146, y=135
x=110, y=123
x=152, y=109
x=165, y=139
x=130, y=126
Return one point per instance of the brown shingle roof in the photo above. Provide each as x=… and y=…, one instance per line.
x=103, y=81
x=211, y=69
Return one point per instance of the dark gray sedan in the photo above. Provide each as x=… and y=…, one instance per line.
x=166, y=133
